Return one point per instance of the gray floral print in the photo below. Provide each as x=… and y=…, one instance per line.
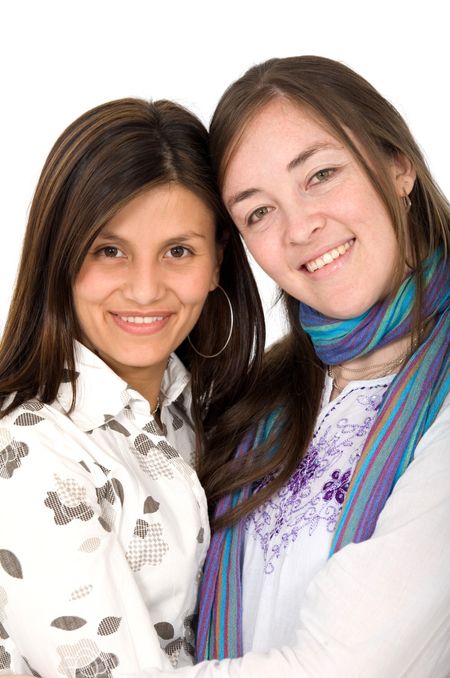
x=11, y=453
x=68, y=502
x=84, y=660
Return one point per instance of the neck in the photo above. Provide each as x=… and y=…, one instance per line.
x=148, y=388
x=146, y=381
x=378, y=363
x=387, y=354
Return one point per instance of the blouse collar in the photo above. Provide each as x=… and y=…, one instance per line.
x=101, y=394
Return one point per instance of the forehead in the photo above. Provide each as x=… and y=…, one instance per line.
x=166, y=200
x=280, y=118
x=281, y=112
x=272, y=134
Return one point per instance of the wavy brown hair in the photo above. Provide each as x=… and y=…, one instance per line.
x=292, y=378
x=99, y=163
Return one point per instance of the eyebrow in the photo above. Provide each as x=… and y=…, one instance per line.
x=295, y=162
x=108, y=235
x=306, y=154
x=186, y=236
x=242, y=195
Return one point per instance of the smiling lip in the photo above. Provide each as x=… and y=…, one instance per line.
x=328, y=257
x=141, y=324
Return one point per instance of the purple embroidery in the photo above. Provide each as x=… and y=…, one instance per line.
x=370, y=402
x=337, y=486
x=315, y=492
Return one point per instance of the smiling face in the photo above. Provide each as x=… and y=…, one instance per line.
x=309, y=214
x=143, y=283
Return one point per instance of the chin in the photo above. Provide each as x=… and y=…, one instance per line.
x=350, y=311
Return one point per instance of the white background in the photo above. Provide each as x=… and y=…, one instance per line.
x=61, y=57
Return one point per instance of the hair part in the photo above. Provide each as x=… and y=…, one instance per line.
x=374, y=132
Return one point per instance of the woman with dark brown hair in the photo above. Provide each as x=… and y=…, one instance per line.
x=104, y=522
x=331, y=551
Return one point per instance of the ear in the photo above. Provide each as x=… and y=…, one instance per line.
x=403, y=174
x=220, y=247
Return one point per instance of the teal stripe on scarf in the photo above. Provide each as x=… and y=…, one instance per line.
x=336, y=341
x=219, y=630
x=410, y=405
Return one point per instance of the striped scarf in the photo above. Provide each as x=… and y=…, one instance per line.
x=409, y=407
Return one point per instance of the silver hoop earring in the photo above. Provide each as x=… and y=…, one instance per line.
x=214, y=355
x=406, y=202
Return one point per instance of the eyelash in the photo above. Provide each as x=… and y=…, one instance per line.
x=186, y=251
x=102, y=251
x=329, y=171
x=252, y=218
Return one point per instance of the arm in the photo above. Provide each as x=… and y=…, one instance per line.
x=380, y=608
x=70, y=601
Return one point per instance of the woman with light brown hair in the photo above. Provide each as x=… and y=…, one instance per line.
x=331, y=547
x=120, y=290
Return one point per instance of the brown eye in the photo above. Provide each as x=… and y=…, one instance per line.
x=178, y=251
x=110, y=251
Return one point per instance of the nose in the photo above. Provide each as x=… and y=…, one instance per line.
x=303, y=219
x=144, y=282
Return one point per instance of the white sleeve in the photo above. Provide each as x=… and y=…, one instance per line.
x=68, y=599
x=381, y=608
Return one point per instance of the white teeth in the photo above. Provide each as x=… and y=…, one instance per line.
x=139, y=319
x=328, y=257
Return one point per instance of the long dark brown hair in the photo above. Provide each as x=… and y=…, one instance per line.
x=100, y=162
x=292, y=378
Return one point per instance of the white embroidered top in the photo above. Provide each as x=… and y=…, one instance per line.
x=103, y=531
x=288, y=538
x=378, y=609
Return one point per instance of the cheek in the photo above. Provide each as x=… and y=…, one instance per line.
x=265, y=252
x=194, y=281
x=196, y=288
x=91, y=286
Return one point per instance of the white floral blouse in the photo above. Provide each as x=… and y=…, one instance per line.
x=103, y=530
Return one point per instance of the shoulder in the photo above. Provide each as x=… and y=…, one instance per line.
x=421, y=495
x=436, y=439
x=33, y=414
x=32, y=430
